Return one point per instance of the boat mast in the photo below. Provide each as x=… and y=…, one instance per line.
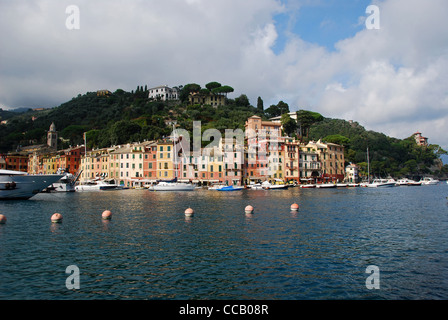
x=368, y=165
x=175, y=153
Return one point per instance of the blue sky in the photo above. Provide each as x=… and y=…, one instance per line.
x=321, y=22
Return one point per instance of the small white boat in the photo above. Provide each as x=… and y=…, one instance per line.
x=353, y=185
x=97, y=185
x=342, y=185
x=256, y=186
x=382, y=183
x=20, y=185
x=408, y=182
x=326, y=185
x=269, y=186
x=173, y=186
x=403, y=182
x=231, y=188
x=216, y=186
x=429, y=181
x=307, y=186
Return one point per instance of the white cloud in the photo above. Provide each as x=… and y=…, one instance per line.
x=391, y=80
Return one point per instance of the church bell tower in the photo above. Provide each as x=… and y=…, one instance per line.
x=52, y=137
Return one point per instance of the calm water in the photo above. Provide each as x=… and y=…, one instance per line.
x=150, y=250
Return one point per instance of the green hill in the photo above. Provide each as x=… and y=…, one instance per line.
x=388, y=156
x=122, y=117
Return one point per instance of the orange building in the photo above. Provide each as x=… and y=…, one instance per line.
x=14, y=161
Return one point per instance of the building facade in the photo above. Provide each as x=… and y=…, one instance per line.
x=163, y=93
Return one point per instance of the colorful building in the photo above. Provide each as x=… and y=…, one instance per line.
x=165, y=163
x=15, y=161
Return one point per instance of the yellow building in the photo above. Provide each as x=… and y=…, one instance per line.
x=165, y=164
x=211, y=99
x=95, y=164
x=330, y=157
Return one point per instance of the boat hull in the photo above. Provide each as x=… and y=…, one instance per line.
x=381, y=185
x=173, y=187
x=326, y=186
x=94, y=188
x=230, y=188
x=24, y=186
x=277, y=187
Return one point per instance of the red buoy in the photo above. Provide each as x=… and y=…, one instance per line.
x=2, y=219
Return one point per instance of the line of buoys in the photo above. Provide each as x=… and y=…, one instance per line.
x=56, y=218
x=106, y=215
x=189, y=212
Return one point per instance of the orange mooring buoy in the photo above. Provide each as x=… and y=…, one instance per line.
x=107, y=215
x=249, y=209
x=56, y=218
x=189, y=212
x=295, y=207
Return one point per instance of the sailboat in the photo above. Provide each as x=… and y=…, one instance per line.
x=174, y=184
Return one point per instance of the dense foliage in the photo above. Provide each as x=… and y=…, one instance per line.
x=388, y=156
x=122, y=117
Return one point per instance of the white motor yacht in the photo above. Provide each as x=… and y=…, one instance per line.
x=382, y=183
x=172, y=186
x=429, y=181
x=20, y=185
x=97, y=185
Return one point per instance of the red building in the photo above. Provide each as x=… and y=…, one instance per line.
x=150, y=161
x=14, y=161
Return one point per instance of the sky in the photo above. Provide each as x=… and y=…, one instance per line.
x=314, y=55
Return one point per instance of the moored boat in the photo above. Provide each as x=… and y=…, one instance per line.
x=97, y=185
x=173, y=186
x=408, y=182
x=276, y=186
x=256, y=186
x=429, y=181
x=216, y=186
x=307, y=186
x=326, y=185
x=382, y=183
x=20, y=185
x=231, y=188
x=353, y=185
